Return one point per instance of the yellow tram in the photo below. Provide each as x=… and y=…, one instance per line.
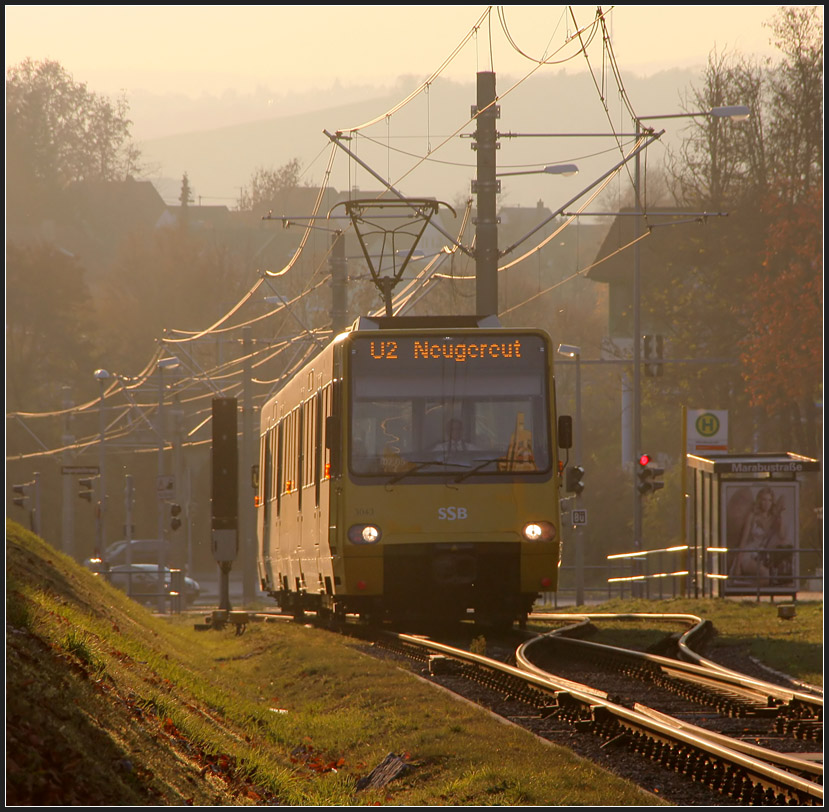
x=411, y=469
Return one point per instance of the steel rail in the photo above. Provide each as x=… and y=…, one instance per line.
x=756, y=770
x=784, y=760
x=700, y=667
x=789, y=761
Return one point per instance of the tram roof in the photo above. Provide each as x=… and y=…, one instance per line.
x=425, y=322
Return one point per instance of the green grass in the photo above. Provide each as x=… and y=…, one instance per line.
x=141, y=710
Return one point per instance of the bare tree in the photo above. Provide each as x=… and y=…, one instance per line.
x=721, y=162
x=796, y=98
x=267, y=184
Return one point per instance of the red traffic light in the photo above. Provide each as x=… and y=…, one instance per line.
x=644, y=459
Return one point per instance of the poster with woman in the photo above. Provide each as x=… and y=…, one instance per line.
x=760, y=531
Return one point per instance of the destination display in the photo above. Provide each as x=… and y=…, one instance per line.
x=459, y=349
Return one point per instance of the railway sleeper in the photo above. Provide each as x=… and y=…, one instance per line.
x=508, y=686
x=701, y=767
x=802, y=729
x=730, y=704
x=574, y=711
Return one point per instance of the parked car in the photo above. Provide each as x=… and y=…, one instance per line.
x=140, y=581
x=144, y=551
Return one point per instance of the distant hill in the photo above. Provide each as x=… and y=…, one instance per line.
x=219, y=161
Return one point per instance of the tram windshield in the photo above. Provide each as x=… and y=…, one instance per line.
x=457, y=405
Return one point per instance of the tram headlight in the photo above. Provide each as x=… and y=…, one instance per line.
x=364, y=534
x=539, y=531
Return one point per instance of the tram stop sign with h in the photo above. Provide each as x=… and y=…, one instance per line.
x=707, y=430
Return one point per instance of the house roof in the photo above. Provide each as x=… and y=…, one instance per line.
x=117, y=205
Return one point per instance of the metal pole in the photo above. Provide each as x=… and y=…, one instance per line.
x=579, y=457
x=339, y=289
x=128, y=500
x=187, y=506
x=162, y=553
x=486, y=228
x=68, y=506
x=102, y=378
x=179, y=493
x=37, y=527
x=637, y=330
x=246, y=519
x=683, y=495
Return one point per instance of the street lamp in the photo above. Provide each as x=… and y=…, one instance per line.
x=102, y=376
x=570, y=351
x=735, y=113
x=567, y=170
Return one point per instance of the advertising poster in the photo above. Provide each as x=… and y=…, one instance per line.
x=761, y=532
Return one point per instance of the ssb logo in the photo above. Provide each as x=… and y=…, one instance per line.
x=452, y=514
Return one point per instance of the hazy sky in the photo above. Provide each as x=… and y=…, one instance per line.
x=280, y=55
x=210, y=49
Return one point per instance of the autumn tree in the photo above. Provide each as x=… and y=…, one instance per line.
x=782, y=351
x=756, y=286
x=58, y=132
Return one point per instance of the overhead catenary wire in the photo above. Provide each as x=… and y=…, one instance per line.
x=218, y=379
x=341, y=132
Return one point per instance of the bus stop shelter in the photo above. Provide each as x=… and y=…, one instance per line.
x=744, y=535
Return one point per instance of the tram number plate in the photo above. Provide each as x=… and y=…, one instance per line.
x=579, y=517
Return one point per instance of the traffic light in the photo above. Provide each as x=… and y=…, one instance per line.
x=86, y=487
x=647, y=474
x=175, y=522
x=574, y=479
x=21, y=493
x=653, y=347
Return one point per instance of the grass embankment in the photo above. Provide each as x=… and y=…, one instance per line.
x=110, y=705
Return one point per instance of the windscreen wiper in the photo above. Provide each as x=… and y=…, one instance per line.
x=482, y=464
x=422, y=464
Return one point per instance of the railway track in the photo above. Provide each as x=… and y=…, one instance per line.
x=720, y=763
x=715, y=696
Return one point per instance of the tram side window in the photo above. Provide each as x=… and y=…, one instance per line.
x=284, y=456
x=325, y=461
x=279, y=463
x=317, y=441
x=266, y=464
x=331, y=430
x=291, y=452
x=309, y=426
x=296, y=462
